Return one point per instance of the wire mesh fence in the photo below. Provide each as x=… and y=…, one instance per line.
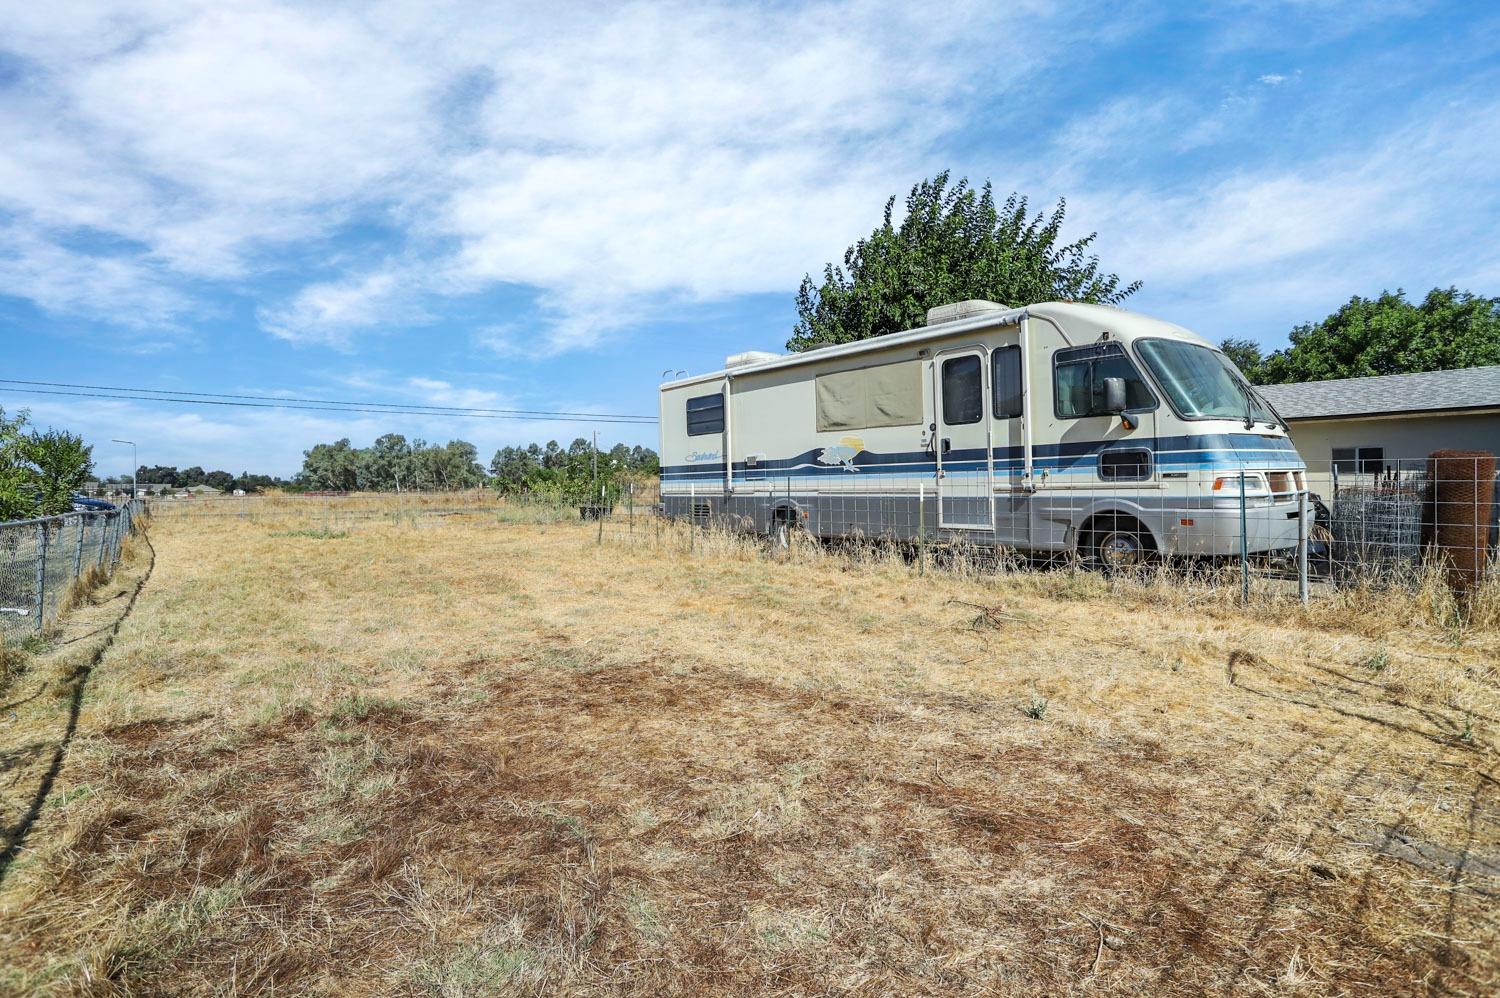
x=1302, y=526
x=41, y=559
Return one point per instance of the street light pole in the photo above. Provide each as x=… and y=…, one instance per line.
x=135, y=465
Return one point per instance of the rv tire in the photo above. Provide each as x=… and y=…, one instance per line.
x=1117, y=543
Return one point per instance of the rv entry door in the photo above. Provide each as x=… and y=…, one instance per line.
x=961, y=443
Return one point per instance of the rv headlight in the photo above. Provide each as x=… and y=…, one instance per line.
x=1226, y=491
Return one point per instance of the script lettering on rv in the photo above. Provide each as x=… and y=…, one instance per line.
x=700, y=456
x=842, y=453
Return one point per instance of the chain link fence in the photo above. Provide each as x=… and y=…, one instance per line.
x=41, y=559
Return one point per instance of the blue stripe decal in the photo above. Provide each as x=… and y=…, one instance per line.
x=1211, y=451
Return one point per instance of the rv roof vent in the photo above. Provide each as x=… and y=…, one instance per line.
x=961, y=310
x=748, y=357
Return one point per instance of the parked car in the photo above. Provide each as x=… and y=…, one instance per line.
x=83, y=504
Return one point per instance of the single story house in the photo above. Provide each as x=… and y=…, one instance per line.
x=1368, y=426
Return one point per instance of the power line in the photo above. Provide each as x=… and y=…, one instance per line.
x=351, y=407
x=285, y=398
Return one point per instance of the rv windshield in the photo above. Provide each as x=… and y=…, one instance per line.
x=1202, y=383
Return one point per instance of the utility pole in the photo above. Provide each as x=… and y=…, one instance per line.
x=135, y=465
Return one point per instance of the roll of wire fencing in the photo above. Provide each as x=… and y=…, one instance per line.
x=1376, y=522
x=42, y=558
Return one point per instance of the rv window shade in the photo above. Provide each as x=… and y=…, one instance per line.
x=963, y=391
x=887, y=395
x=705, y=414
x=1006, y=379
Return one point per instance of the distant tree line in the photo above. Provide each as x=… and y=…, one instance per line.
x=39, y=471
x=394, y=464
x=170, y=476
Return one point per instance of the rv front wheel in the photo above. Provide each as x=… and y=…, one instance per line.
x=1118, y=549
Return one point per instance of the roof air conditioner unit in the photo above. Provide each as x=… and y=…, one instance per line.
x=748, y=357
x=962, y=310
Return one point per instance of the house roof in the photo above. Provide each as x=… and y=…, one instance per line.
x=1430, y=391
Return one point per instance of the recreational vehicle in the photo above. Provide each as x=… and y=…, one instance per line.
x=1049, y=428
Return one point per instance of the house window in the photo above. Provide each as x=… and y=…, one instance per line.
x=705, y=415
x=1358, y=460
x=963, y=391
x=1005, y=366
x=1129, y=465
x=1078, y=381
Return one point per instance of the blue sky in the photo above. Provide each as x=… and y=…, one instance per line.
x=545, y=206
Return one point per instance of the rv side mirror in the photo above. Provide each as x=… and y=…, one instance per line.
x=1114, y=394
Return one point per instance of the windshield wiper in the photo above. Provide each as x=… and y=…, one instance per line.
x=1249, y=403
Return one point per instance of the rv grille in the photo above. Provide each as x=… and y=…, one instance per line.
x=702, y=511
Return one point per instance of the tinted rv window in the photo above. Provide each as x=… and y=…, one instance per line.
x=963, y=391
x=705, y=414
x=1078, y=381
x=1133, y=465
x=1006, y=377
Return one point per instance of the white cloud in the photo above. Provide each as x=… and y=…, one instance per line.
x=602, y=156
x=1271, y=79
x=1290, y=243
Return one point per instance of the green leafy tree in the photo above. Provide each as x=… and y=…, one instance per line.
x=158, y=475
x=221, y=480
x=1389, y=335
x=330, y=466
x=385, y=463
x=18, y=490
x=1246, y=355
x=62, y=462
x=953, y=244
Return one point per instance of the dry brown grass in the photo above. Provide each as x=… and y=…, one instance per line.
x=461, y=756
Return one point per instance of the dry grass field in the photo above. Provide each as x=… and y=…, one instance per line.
x=475, y=754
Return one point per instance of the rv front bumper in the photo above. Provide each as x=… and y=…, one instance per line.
x=1216, y=532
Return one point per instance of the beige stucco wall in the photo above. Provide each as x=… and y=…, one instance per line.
x=1407, y=439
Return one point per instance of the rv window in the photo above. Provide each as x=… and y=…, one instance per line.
x=963, y=391
x=1006, y=378
x=705, y=415
x=1078, y=381
x=1132, y=465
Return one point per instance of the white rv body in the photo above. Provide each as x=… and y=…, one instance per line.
x=988, y=427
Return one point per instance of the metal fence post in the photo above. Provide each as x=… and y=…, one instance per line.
x=1244, y=546
x=692, y=515
x=78, y=547
x=630, y=506
x=600, y=511
x=1302, y=536
x=41, y=574
x=103, y=538
x=921, y=529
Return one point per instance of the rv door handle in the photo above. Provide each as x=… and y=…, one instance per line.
x=947, y=445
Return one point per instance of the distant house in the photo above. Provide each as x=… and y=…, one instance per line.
x=1367, y=426
x=200, y=490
